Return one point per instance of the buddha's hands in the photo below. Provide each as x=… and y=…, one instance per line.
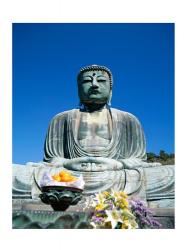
x=92, y=164
x=99, y=163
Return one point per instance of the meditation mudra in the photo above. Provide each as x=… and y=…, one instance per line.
x=105, y=145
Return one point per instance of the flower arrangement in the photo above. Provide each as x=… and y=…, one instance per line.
x=144, y=215
x=115, y=210
x=112, y=211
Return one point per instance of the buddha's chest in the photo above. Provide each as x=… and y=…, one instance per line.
x=94, y=130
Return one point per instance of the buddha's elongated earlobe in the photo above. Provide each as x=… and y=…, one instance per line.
x=109, y=99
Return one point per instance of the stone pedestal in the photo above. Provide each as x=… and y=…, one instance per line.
x=166, y=216
x=36, y=215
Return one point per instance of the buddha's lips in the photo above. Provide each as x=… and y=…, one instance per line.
x=94, y=91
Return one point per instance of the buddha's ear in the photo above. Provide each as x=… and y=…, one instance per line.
x=109, y=99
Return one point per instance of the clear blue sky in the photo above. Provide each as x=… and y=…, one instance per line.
x=47, y=58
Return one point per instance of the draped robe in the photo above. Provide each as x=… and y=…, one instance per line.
x=127, y=145
x=128, y=141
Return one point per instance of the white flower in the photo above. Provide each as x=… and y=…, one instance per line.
x=113, y=217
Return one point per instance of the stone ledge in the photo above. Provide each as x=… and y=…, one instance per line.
x=40, y=215
x=163, y=212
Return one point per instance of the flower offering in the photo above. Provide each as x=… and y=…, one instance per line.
x=116, y=210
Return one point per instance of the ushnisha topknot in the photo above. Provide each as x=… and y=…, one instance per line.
x=96, y=67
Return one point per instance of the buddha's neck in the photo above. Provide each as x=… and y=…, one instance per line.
x=90, y=107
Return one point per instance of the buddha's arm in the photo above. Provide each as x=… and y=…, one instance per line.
x=134, y=143
x=131, y=162
x=58, y=161
x=53, y=147
x=135, y=163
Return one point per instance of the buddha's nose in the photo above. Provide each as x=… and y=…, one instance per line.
x=95, y=83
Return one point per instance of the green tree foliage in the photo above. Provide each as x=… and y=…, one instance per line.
x=163, y=157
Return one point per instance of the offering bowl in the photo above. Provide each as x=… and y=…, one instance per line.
x=60, y=197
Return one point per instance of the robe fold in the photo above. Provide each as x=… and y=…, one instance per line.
x=128, y=141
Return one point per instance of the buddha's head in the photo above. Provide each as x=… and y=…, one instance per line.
x=94, y=85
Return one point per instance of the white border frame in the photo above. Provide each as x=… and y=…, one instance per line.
x=89, y=11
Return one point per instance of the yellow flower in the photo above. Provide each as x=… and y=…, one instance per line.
x=129, y=224
x=115, y=215
x=116, y=194
x=106, y=194
x=125, y=224
x=122, y=203
x=100, y=206
x=123, y=194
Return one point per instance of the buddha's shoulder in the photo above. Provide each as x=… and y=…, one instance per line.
x=123, y=114
x=64, y=114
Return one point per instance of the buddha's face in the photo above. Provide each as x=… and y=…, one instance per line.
x=94, y=87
